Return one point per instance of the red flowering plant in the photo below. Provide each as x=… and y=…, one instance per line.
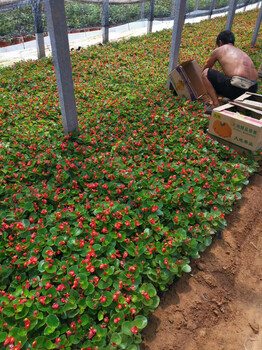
x=92, y=227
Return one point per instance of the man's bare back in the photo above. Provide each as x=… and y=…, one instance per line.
x=233, y=61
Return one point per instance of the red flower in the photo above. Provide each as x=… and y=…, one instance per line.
x=134, y=330
x=103, y=299
x=48, y=285
x=27, y=323
x=71, y=273
x=42, y=300
x=154, y=208
x=118, y=319
x=118, y=225
x=132, y=311
x=92, y=332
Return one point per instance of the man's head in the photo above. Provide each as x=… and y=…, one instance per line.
x=225, y=37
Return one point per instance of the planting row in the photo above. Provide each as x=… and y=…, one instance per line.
x=94, y=226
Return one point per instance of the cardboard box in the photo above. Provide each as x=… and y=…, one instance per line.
x=186, y=79
x=238, y=125
x=250, y=99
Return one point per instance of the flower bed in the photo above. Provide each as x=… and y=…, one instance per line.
x=92, y=227
x=4, y=43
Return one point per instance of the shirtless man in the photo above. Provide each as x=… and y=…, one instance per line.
x=234, y=62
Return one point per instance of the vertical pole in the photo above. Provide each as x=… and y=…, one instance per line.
x=196, y=5
x=176, y=35
x=142, y=10
x=173, y=8
x=255, y=34
x=212, y=6
x=231, y=14
x=245, y=5
x=151, y=16
x=105, y=21
x=39, y=31
x=57, y=27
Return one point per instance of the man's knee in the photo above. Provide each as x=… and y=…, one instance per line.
x=204, y=73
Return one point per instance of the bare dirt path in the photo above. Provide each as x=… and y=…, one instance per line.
x=219, y=305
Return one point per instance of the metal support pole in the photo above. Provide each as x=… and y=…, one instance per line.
x=39, y=31
x=177, y=35
x=151, y=16
x=245, y=5
x=57, y=27
x=231, y=14
x=255, y=34
x=212, y=6
x=196, y=5
x=142, y=10
x=105, y=21
x=173, y=8
x=40, y=45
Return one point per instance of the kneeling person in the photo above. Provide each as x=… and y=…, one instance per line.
x=240, y=74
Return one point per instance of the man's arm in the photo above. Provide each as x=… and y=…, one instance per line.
x=211, y=61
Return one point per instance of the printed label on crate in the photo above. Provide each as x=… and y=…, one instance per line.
x=187, y=88
x=245, y=129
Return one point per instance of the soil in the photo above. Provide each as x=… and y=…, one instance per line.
x=218, y=306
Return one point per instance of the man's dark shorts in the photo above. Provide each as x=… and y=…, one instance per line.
x=221, y=84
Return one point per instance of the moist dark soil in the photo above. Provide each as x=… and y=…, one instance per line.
x=218, y=306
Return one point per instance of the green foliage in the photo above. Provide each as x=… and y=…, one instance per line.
x=94, y=226
x=20, y=21
x=15, y=22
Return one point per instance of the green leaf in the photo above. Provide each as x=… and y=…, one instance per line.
x=100, y=316
x=26, y=223
x=140, y=321
x=186, y=198
x=126, y=326
x=3, y=336
x=156, y=301
x=9, y=311
x=207, y=241
x=52, y=321
x=133, y=347
x=186, y=268
x=22, y=332
x=76, y=231
x=238, y=195
x=29, y=206
x=49, y=330
x=109, y=299
x=44, y=343
x=104, y=284
x=60, y=239
x=159, y=212
x=71, y=243
x=200, y=197
x=97, y=247
x=116, y=338
x=150, y=289
x=89, y=289
x=85, y=319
